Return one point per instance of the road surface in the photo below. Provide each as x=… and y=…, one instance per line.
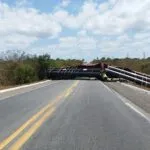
x=71, y=115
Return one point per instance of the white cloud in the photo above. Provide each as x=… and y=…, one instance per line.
x=127, y=21
x=77, y=42
x=89, y=47
x=104, y=7
x=111, y=17
x=111, y=27
x=26, y=23
x=22, y=3
x=65, y=3
x=71, y=47
x=72, y=21
x=82, y=33
x=141, y=36
x=16, y=41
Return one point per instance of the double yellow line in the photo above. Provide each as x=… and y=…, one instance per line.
x=34, y=123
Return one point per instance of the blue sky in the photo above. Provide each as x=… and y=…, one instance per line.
x=76, y=28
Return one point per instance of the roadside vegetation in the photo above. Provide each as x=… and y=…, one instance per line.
x=140, y=65
x=17, y=67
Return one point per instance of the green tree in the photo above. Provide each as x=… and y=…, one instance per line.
x=43, y=65
x=24, y=73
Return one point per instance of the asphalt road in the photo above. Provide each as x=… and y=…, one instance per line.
x=77, y=115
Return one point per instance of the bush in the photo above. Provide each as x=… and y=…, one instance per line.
x=146, y=68
x=24, y=74
x=43, y=65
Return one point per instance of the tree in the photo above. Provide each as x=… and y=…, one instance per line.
x=103, y=59
x=43, y=65
x=24, y=74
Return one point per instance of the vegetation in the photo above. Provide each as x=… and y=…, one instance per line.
x=24, y=73
x=141, y=65
x=16, y=67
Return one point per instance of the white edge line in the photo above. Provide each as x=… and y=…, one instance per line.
x=137, y=111
x=29, y=91
x=23, y=86
x=131, y=105
x=136, y=88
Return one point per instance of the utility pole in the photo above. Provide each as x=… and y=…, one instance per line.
x=144, y=56
x=127, y=56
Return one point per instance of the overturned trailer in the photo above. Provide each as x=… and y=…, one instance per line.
x=100, y=71
x=127, y=74
x=85, y=70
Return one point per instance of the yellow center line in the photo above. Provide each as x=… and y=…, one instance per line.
x=25, y=125
x=70, y=90
x=9, y=139
x=23, y=139
x=68, y=93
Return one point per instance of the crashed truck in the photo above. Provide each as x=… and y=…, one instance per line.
x=100, y=71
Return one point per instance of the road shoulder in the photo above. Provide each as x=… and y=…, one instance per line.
x=22, y=89
x=139, y=98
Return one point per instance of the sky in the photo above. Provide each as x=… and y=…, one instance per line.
x=76, y=28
